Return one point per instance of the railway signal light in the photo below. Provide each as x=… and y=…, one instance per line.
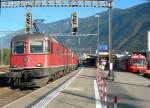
x=28, y=22
x=74, y=23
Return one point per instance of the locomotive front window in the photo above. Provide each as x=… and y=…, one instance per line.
x=18, y=47
x=36, y=47
x=138, y=62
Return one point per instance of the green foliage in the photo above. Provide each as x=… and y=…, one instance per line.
x=6, y=56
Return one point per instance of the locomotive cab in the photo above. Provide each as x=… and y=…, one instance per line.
x=138, y=65
x=135, y=63
x=29, y=59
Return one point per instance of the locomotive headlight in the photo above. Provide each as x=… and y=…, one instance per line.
x=14, y=66
x=39, y=65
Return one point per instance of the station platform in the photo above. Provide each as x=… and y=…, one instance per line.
x=132, y=90
x=75, y=90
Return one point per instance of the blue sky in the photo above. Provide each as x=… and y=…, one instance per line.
x=13, y=19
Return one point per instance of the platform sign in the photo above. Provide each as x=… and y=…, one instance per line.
x=103, y=48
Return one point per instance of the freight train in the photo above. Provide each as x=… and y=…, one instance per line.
x=35, y=59
x=135, y=63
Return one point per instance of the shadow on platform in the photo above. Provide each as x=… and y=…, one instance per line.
x=121, y=103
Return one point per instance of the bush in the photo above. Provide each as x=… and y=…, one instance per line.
x=6, y=56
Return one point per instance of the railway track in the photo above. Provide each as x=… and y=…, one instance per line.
x=8, y=95
x=147, y=76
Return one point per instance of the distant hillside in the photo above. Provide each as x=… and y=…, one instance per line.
x=130, y=27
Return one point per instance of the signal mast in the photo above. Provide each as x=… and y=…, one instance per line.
x=28, y=20
x=28, y=23
x=74, y=22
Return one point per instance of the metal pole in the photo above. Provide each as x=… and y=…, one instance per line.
x=98, y=27
x=1, y=51
x=110, y=74
x=98, y=38
x=98, y=32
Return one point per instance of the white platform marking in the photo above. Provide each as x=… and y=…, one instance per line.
x=45, y=101
x=97, y=98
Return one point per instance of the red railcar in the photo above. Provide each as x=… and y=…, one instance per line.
x=135, y=63
x=36, y=58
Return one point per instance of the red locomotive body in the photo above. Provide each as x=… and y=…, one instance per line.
x=135, y=63
x=36, y=58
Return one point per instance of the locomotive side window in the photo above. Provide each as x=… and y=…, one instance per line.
x=51, y=47
x=36, y=47
x=47, y=46
x=18, y=47
x=58, y=51
x=63, y=51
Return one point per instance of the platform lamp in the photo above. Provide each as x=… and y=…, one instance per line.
x=1, y=47
x=98, y=32
x=98, y=28
x=110, y=75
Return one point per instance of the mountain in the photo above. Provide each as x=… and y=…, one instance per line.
x=130, y=28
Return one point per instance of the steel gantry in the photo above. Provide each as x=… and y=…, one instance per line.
x=54, y=3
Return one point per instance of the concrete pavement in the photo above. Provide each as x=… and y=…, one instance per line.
x=80, y=94
x=133, y=91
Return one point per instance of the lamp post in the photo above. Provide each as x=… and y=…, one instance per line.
x=98, y=29
x=98, y=32
x=1, y=50
x=98, y=26
x=110, y=74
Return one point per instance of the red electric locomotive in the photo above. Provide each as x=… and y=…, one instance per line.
x=36, y=58
x=135, y=63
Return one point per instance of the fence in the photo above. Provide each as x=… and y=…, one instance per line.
x=102, y=88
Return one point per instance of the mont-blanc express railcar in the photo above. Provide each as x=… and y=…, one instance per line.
x=135, y=63
x=36, y=58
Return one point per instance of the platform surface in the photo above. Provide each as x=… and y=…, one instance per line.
x=71, y=91
x=132, y=90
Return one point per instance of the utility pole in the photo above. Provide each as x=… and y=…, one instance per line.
x=98, y=29
x=1, y=50
x=98, y=34
x=110, y=74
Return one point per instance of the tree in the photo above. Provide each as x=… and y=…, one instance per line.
x=6, y=56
